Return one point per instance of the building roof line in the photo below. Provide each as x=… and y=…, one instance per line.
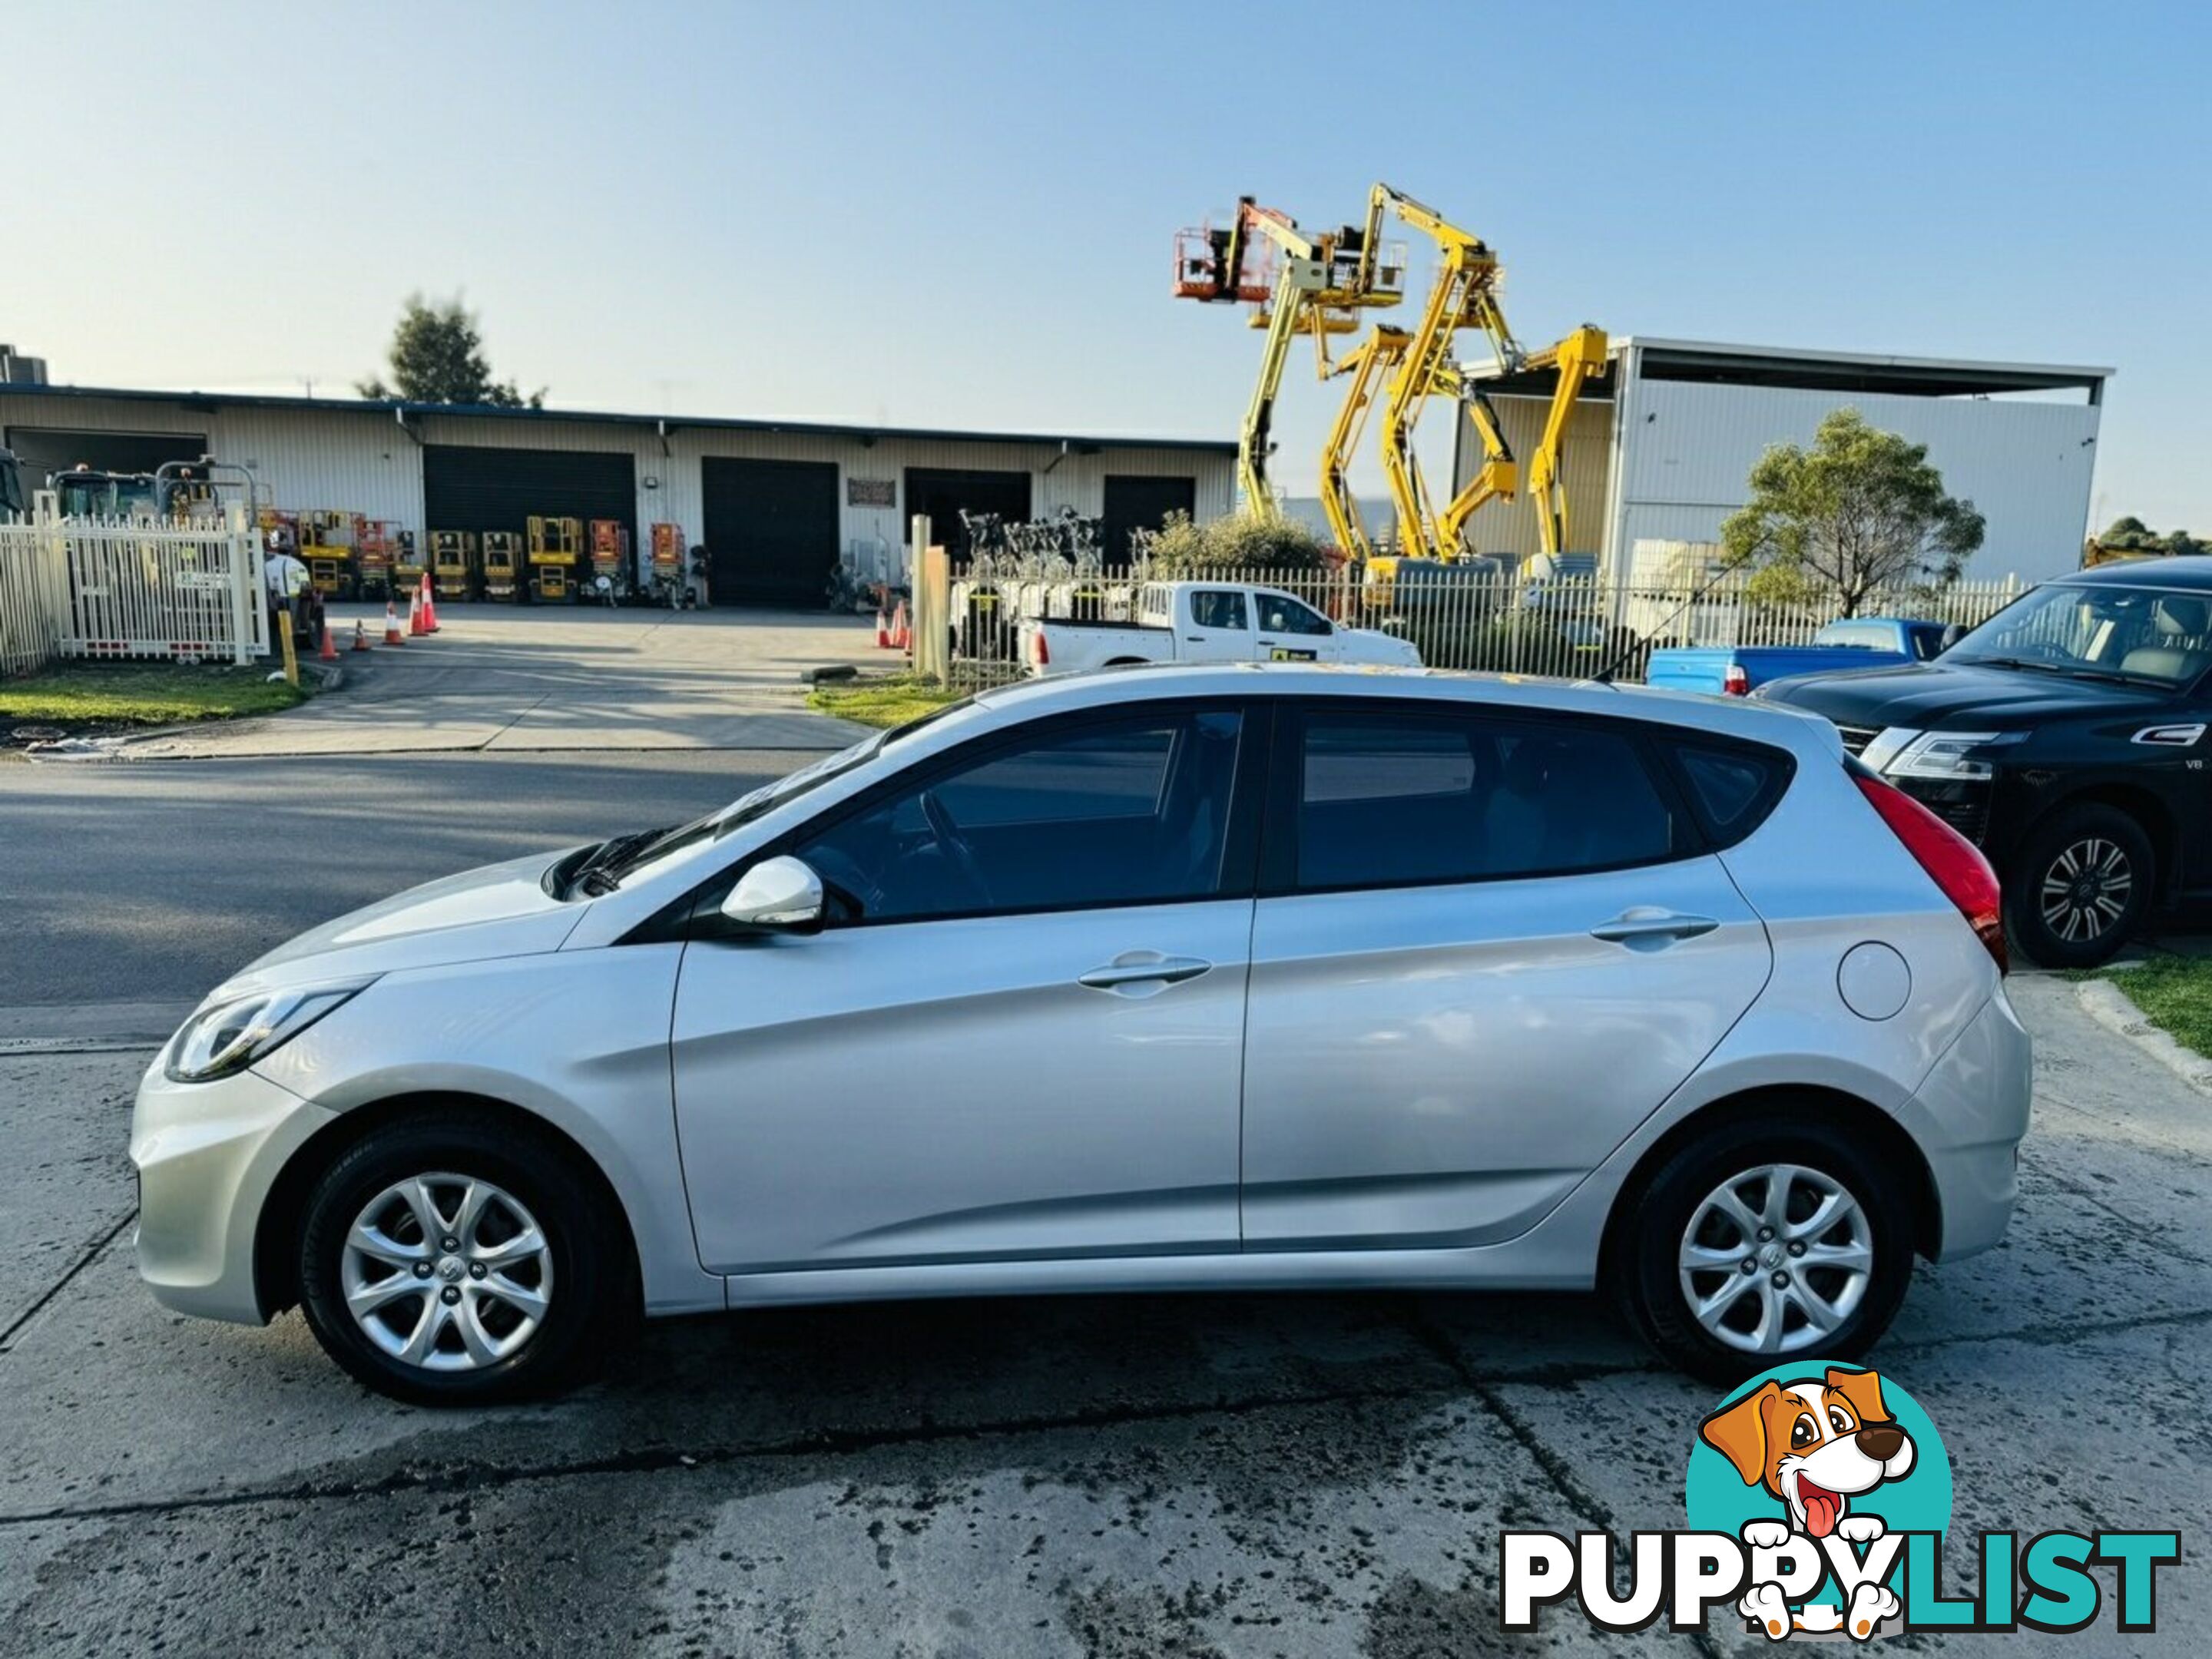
x=209, y=401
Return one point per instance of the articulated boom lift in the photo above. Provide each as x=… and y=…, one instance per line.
x=1465, y=295
x=1299, y=285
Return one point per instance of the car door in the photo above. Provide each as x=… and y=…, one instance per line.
x=1217, y=626
x=1486, y=949
x=1291, y=631
x=1019, y=1033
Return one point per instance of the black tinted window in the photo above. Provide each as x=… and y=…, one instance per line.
x=1396, y=798
x=1278, y=615
x=1732, y=789
x=1128, y=813
x=1213, y=607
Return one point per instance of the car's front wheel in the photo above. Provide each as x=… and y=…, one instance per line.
x=2079, y=887
x=448, y=1259
x=1751, y=1245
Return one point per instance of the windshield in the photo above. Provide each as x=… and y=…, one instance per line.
x=621, y=861
x=2146, y=636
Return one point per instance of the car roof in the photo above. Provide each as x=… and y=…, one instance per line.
x=2190, y=574
x=1729, y=716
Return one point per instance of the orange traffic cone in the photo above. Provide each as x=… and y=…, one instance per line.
x=360, y=638
x=414, y=612
x=392, y=633
x=328, y=650
x=883, y=631
x=429, y=595
x=902, y=638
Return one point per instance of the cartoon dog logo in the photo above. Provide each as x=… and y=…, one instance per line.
x=1815, y=1444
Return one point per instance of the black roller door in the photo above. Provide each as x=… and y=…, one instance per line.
x=1138, y=500
x=771, y=531
x=468, y=487
x=944, y=493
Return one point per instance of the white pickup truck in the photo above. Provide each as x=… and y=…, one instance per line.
x=1207, y=622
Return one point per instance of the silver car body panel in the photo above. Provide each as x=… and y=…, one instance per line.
x=1005, y=1129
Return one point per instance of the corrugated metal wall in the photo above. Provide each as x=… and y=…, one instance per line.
x=1688, y=449
x=348, y=460
x=1510, y=527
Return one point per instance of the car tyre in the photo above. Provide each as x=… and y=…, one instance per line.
x=1649, y=1248
x=579, y=1271
x=2066, y=879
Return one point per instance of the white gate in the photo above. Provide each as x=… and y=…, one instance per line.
x=100, y=588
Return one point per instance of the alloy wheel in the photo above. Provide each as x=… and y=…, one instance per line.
x=446, y=1272
x=2086, y=890
x=1775, y=1260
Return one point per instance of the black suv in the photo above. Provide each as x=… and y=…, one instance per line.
x=2066, y=738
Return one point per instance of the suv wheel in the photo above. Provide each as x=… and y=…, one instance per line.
x=2079, y=887
x=446, y=1260
x=1751, y=1245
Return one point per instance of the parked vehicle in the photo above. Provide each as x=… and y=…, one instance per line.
x=1019, y=998
x=2066, y=738
x=1735, y=670
x=1207, y=622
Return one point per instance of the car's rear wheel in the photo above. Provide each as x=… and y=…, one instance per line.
x=448, y=1259
x=2079, y=887
x=1750, y=1246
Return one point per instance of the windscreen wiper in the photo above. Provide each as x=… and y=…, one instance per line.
x=597, y=876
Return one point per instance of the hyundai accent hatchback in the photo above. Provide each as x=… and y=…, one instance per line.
x=1169, y=979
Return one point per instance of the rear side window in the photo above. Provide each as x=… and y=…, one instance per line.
x=1731, y=787
x=1214, y=607
x=1397, y=799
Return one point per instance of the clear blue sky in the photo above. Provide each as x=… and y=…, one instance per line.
x=949, y=213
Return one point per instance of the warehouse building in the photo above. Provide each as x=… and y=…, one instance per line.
x=777, y=504
x=1659, y=450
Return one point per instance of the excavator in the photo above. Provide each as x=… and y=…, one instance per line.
x=1298, y=285
x=1464, y=295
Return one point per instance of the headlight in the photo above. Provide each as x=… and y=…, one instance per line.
x=231, y=1036
x=1945, y=755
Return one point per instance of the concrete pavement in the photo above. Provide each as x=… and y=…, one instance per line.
x=570, y=677
x=1144, y=1476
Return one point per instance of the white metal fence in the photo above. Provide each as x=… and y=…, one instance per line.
x=86, y=587
x=1473, y=617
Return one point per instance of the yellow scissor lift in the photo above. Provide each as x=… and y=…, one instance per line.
x=555, y=546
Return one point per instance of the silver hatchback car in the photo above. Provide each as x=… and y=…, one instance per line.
x=1264, y=977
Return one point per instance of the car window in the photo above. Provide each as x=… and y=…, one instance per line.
x=1278, y=615
x=1732, y=789
x=1393, y=799
x=1134, y=811
x=1214, y=607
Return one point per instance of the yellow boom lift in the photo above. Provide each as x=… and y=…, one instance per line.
x=1298, y=285
x=1465, y=295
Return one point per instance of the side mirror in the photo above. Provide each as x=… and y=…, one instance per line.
x=776, y=895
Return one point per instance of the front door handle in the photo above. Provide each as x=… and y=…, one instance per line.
x=1142, y=968
x=1647, y=927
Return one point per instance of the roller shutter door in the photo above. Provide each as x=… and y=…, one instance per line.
x=1136, y=500
x=465, y=487
x=944, y=493
x=43, y=450
x=771, y=531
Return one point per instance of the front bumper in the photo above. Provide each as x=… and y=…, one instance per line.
x=207, y=1155
x=1969, y=1116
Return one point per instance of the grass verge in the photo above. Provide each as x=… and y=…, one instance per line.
x=891, y=701
x=144, y=693
x=2175, y=993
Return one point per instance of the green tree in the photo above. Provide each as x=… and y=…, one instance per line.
x=437, y=356
x=1860, y=511
x=1243, y=541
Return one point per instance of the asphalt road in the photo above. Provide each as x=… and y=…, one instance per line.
x=145, y=883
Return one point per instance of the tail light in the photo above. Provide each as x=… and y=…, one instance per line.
x=1040, y=652
x=1952, y=863
x=1735, y=681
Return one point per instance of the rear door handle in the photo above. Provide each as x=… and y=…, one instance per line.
x=1648, y=926
x=1134, y=967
